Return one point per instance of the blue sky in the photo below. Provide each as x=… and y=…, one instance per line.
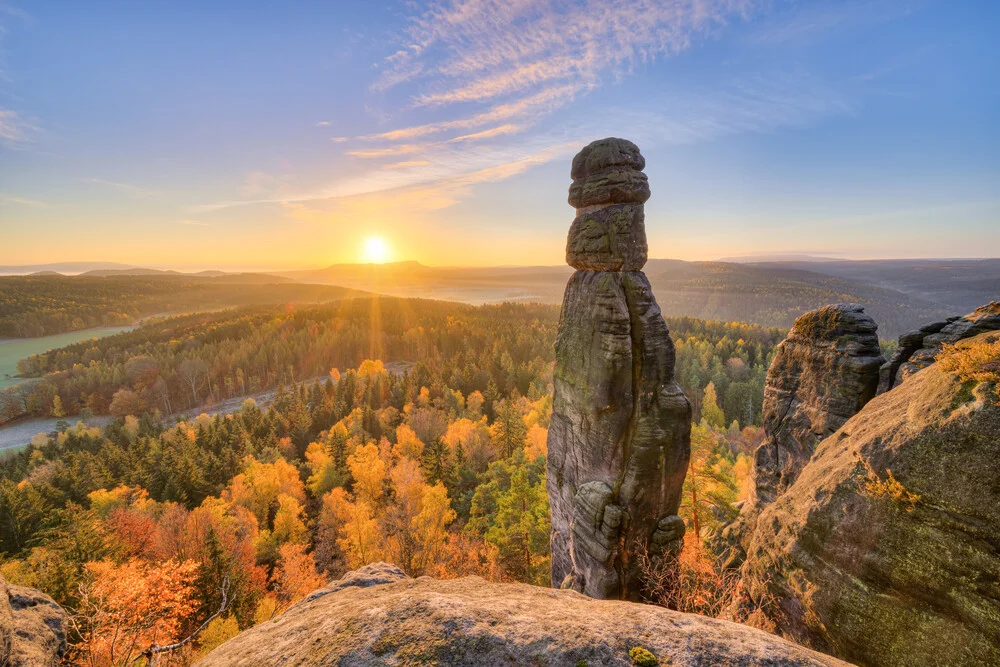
x=285, y=134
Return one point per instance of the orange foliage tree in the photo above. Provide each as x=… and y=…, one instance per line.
x=125, y=609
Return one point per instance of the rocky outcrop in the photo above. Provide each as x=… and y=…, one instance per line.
x=917, y=349
x=32, y=627
x=824, y=371
x=469, y=621
x=886, y=548
x=619, y=438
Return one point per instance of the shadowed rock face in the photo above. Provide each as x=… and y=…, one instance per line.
x=918, y=348
x=468, y=621
x=32, y=627
x=822, y=374
x=885, y=549
x=619, y=438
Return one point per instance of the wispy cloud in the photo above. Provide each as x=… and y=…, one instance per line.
x=399, y=149
x=488, y=134
x=406, y=164
x=339, y=140
x=482, y=75
x=134, y=190
x=9, y=199
x=14, y=130
x=192, y=223
x=531, y=107
x=323, y=123
x=478, y=50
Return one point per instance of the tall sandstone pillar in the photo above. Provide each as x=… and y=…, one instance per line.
x=620, y=436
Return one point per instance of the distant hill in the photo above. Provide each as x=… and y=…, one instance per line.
x=59, y=267
x=899, y=294
x=958, y=285
x=217, y=276
x=769, y=294
x=774, y=295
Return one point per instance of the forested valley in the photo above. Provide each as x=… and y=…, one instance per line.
x=402, y=430
x=33, y=306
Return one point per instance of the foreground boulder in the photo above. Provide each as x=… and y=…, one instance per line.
x=32, y=627
x=886, y=548
x=468, y=621
x=619, y=438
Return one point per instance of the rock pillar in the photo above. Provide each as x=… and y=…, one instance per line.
x=619, y=439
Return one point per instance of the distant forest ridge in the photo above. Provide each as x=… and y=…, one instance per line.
x=900, y=294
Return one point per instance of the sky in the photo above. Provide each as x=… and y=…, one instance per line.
x=242, y=135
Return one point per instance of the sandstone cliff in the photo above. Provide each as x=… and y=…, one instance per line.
x=619, y=438
x=32, y=627
x=886, y=548
x=822, y=374
x=918, y=348
x=825, y=370
x=379, y=616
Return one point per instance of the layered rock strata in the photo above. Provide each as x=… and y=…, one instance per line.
x=619, y=438
x=917, y=349
x=824, y=371
x=379, y=616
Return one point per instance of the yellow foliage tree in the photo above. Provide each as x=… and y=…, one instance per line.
x=407, y=443
x=369, y=473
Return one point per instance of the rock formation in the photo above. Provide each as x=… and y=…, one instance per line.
x=619, y=438
x=824, y=371
x=379, y=616
x=886, y=548
x=822, y=374
x=918, y=348
x=32, y=627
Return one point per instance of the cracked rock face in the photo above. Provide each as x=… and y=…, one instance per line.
x=822, y=374
x=619, y=439
x=917, y=349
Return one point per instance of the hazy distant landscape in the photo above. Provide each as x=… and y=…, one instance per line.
x=900, y=294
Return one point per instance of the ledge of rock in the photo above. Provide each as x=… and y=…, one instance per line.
x=32, y=627
x=472, y=622
x=885, y=549
x=918, y=348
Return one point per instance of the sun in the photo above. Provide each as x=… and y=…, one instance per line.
x=375, y=251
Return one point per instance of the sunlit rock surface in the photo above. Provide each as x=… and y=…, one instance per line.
x=886, y=548
x=918, y=348
x=379, y=616
x=32, y=627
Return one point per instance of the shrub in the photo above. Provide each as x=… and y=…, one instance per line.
x=641, y=656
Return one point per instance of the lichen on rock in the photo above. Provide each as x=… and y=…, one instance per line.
x=33, y=627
